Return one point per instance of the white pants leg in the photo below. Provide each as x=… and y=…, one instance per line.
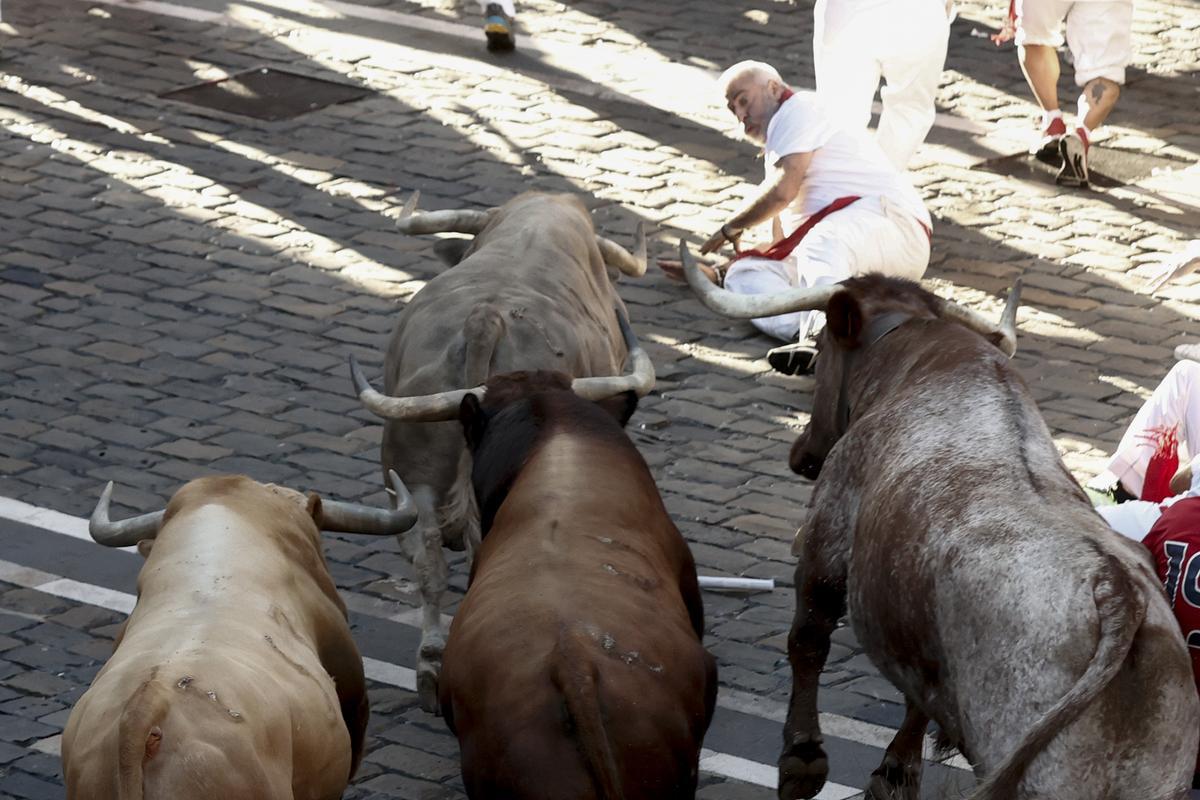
x=904, y=41
x=868, y=236
x=507, y=5
x=1175, y=402
x=912, y=70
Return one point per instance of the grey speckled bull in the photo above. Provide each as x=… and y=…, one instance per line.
x=978, y=578
x=533, y=290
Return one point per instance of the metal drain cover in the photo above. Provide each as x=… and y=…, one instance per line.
x=1107, y=167
x=267, y=94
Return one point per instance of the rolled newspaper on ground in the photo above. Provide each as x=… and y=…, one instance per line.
x=737, y=584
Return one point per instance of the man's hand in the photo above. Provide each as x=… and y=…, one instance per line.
x=1007, y=32
x=719, y=238
x=674, y=270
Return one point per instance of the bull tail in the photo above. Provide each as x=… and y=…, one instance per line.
x=481, y=331
x=577, y=681
x=458, y=517
x=140, y=736
x=1121, y=608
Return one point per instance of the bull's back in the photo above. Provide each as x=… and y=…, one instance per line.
x=564, y=647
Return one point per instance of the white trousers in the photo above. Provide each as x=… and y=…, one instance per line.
x=507, y=5
x=869, y=236
x=1174, y=403
x=855, y=42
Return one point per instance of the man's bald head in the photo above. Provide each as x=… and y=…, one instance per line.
x=749, y=73
x=753, y=91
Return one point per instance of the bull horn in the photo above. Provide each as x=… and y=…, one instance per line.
x=424, y=408
x=356, y=518
x=639, y=379
x=616, y=256
x=125, y=533
x=751, y=306
x=460, y=221
x=1003, y=334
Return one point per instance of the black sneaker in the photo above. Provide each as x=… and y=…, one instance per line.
x=498, y=27
x=797, y=358
x=1074, y=170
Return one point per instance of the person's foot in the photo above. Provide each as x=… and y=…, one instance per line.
x=498, y=27
x=673, y=269
x=1046, y=148
x=1073, y=147
x=1188, y=352
x=797, y=358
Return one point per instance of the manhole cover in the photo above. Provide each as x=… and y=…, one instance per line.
x=269, y=94
x=1106, y=167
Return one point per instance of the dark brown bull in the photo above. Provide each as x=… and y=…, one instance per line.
x=980, y=581
x=574, y=666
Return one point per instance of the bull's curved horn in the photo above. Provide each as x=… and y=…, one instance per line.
x=356, y=518
x=1005, y=331
x=750, y=306
x=125, y=533
x=616, y=256
x=459, y=221
x=640, y=377
x=424, y=408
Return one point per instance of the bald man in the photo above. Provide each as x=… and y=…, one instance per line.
x=837, y=207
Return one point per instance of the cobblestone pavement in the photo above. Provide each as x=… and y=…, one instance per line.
x=180, y=288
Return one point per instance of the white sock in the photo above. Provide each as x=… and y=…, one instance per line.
x=1050, y=116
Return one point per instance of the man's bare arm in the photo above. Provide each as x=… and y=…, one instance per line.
x=774, y=197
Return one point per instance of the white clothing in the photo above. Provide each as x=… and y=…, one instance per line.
x=844, y=162
x=871, y=235
x=1099, y=33
x=1174, y=402
x=1134, y=518
x=904, y=41
x=508, y=6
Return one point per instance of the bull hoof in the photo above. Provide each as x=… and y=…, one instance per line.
x=803, y=769
x=892, y=781
x=427, y=689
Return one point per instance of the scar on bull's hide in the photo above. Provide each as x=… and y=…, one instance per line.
x=185, y=683
x=519, y=313
x=632, y=658
x=642, y=582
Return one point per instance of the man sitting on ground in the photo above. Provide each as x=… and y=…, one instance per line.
x=838, y=208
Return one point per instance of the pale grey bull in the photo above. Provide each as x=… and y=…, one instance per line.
x=978, y=577
x=534, y=290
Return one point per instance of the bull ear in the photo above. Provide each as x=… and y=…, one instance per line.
x=451, y=251
x=844, y=319
x=473, y=420
x=620, y=406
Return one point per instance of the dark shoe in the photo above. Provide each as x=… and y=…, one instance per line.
x=498, y=27
x=1046, y=149
x=1074, y=170
x=793, y=359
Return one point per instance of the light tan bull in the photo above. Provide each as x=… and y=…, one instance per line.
x=235, y=677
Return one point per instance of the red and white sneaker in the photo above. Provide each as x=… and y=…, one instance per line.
x=1046, y=149
x=1073, y=147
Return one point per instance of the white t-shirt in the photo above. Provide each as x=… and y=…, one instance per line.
x=844, y=162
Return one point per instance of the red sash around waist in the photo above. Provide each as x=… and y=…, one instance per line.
x=784, y=247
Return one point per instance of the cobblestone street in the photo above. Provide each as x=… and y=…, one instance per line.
x=181, y=288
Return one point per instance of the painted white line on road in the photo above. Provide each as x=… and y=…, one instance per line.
x=848, y=728
x=748, y=771
x=382, y=671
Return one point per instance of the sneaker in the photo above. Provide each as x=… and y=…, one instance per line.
x=798, y=358
x=498, y=27
x=1188, y=352
x=1073, y=149
x=1046, y=150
